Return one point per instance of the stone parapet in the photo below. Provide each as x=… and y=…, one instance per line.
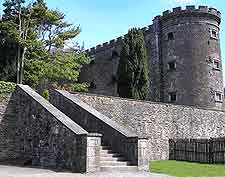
x=192, y=11
x=156, y=123
x=41, y=135
x=93, y=152
x=116, y=136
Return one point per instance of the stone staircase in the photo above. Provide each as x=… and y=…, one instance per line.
x=110, y=161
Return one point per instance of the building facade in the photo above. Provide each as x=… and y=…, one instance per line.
x=184, y=54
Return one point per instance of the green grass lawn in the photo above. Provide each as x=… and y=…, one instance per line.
x=186, y=169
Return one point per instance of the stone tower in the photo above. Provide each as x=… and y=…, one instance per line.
x=184, y=59
x=191, y=57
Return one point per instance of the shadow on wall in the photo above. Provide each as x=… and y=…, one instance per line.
x=8, y=122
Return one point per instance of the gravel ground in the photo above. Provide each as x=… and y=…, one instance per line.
x=12, y=171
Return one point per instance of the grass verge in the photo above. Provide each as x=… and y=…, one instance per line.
x=187, y=169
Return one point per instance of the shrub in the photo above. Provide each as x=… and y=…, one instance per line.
x=6, y=87
x=45, y=94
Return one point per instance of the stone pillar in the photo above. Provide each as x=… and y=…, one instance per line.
x=132, y=150
x=80, y=159
x=93, y=152
x=143, y=162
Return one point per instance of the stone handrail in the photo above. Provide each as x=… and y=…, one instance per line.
x=53, y=110
x=118, y=137
x=123, y=130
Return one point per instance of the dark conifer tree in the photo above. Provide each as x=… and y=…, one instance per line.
x=133, y=70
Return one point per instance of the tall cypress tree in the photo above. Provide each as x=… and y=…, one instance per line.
x=133, y=70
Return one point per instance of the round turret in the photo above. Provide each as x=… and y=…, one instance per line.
x=191, y=57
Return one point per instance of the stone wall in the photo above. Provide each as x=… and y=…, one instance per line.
x=45, y=136
x=34, y=132
x=159, y=122
x=7, y=127
x=115, y=135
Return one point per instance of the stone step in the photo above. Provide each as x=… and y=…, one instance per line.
x=110, y=155
x=106, y=151
x=105, y=148
x=113, y=163
x=121, y=159
x=119, y=168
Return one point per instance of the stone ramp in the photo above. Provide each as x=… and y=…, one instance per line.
x=117, y=137
x=12, y=171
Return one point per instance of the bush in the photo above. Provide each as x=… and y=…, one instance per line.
x=45, y=94
x=6, y=87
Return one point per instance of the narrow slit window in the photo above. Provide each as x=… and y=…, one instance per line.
x=214, y=34
x=92, y=62
x=172, y=97
x=170, y=36
x=216, y=64
x=115, y=54
x=218, y=97
x=92, y=85
x=172, y=65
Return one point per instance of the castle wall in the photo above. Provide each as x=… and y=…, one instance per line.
x=194, y=48
x=195, y=80
x=153, y=41
x=104, y=61
x=159, y=122
x=101, y=73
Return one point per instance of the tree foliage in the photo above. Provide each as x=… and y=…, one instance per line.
x=39, y=36
x=133, y=72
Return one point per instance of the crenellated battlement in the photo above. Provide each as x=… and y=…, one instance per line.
x=105, y=45
x=192, y=10
x=111, y=43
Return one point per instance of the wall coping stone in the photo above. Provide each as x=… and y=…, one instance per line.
x=53, y=110
x=124, y=131
x=149, y=102
x=94, y=135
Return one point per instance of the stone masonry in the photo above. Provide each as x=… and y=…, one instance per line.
x=42, y=135
x=184, y=54
x=34, y=132
x=7, y=126
x=159, y=122
x=118, y=137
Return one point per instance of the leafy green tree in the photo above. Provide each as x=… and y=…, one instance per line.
x=40, y=36
x=133, y=72
x=17, y=20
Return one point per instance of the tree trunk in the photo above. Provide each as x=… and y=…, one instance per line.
x=22, y=65
x=18, y=65
x=19, y=48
